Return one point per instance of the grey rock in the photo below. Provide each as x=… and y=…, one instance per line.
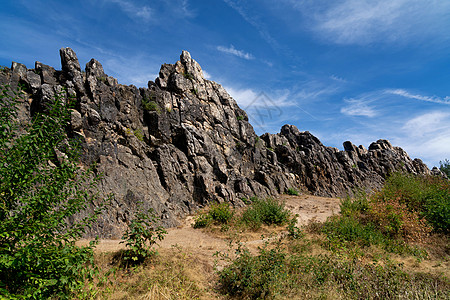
x=193, y=145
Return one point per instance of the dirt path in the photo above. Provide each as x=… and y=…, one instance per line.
x=307, y=208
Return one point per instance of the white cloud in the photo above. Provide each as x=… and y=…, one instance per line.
x=426, y=136
x=428, y=124
x=206, y=75
x=243, y=97
x=358, y=108
x=234, y=51
x=133, y=10
x=367, y=21
x=406, y=94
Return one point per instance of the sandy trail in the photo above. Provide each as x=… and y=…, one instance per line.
x=308, y=208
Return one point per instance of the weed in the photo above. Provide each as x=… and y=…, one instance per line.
x=240, y=118
x=217, y=213
x=265, y=211
x=150, y=104
x=292, y=192
x=188, y=76
x=138, y=133
x=142, y=233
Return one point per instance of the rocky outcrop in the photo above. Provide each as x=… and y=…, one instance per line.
x=183, y=142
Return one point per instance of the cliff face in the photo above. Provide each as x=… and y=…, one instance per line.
x=184, y=142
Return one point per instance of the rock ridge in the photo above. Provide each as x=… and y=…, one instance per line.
x=183, y=142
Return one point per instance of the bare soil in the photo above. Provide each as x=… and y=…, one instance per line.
x=308, y=208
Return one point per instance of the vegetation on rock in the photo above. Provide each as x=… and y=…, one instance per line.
x=42, y=186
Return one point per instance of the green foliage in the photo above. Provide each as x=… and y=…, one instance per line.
x=265, y=211
x=274, y=273
x=217, y=214
x=142, y=233
x=3, y=68
x=150, y=104
x=428, y=195
x=292, y=192
x=188, y=76
x=194, y=91
x=41, y=188
x=138, y=133
x=103, y=79
x=444, y=166
x=240, y=118
x=402, y=211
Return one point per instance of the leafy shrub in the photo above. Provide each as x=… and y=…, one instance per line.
x=217, y=213
x=427, y=195
x=265, y=211
x=202, y=220
x=274, y=273
x=444, y=166
x=41, y=188
x=150, y=104
x=292, y=192
x=142, y=233
x=188, y=76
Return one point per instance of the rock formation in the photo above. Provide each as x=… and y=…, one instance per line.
x=183, y=142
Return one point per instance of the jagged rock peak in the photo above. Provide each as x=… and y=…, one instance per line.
x=183, y=142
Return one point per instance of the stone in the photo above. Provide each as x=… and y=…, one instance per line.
x=193, y=145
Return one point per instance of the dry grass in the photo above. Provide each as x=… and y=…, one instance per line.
x=172, y=274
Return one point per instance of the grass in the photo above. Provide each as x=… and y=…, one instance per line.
x=274, y=272
x=174, y=273
x=260, y=211
x=380, y=246
x=292, y=192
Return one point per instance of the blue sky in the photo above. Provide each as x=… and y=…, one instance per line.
x=355, y=70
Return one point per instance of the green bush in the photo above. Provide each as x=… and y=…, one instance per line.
x=444, y=166
x=274, y=273
x=142, y=233
x=265, y=211
x=221, y=213
x=218, y=213
x=41, y=188
x=428, y=195
x=292, y=192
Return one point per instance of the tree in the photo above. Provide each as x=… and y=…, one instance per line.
x=445, y=167
x=42, y=186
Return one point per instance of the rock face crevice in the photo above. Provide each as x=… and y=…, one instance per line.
x=183, y=142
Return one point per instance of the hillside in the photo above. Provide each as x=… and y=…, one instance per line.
x=183, y=142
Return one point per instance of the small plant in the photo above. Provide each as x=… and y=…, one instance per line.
x=202, y=220
x=188, y=76
x=103, y=79
x=444, y=166
x=3, y=68
x=219, y=214
x=240, y=118
x=142, y=233
x=267, y=211
x=150, y=104
x=292, y=192
x=138, y=133
x=194, y=91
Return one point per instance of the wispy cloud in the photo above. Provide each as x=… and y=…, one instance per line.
x=133, y=10
x=406, y=94
x=233, y=51
x=363, y=22
x=426, y=136
x=246, y=14
x=358, y=108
